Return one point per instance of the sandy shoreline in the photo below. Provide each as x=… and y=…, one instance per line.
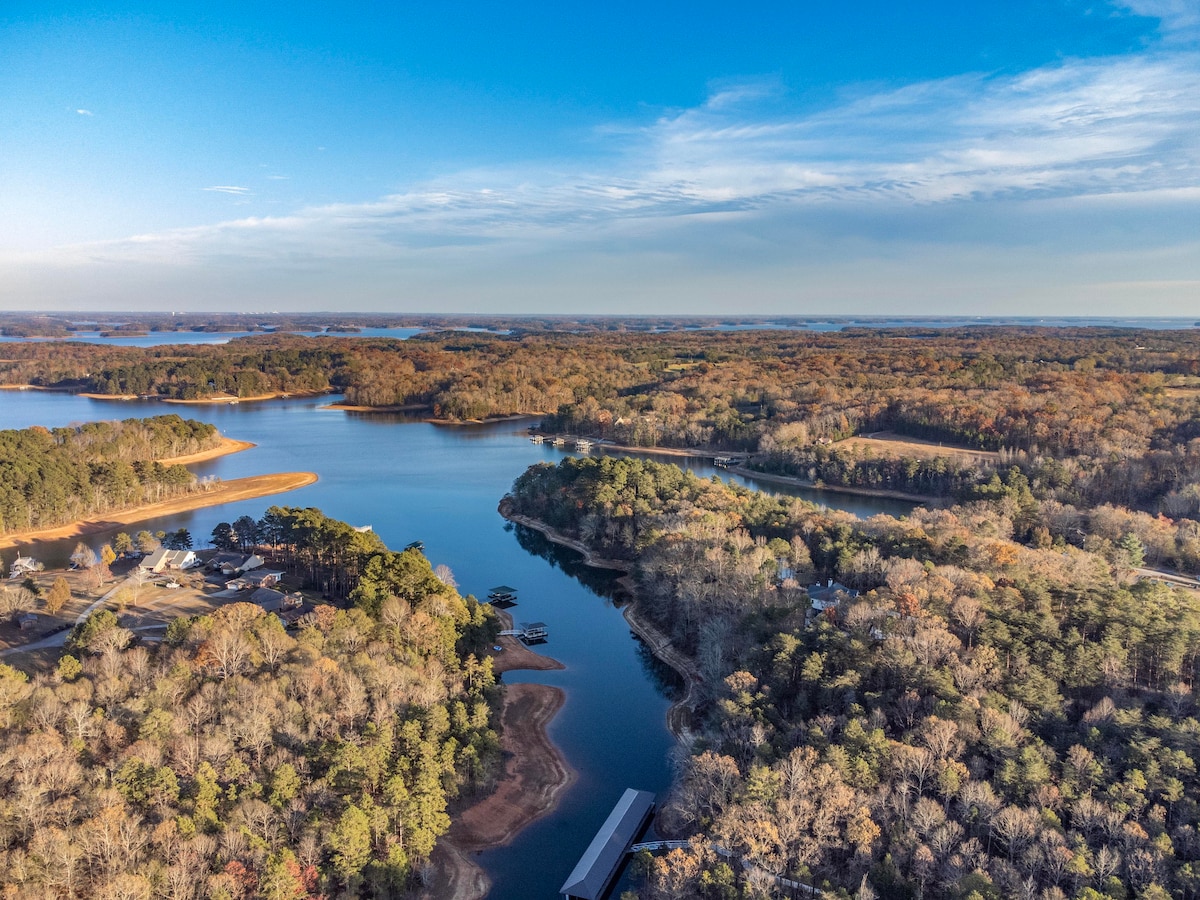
x=534, y=778
x=215, y=400
x=225, y=492
x=226, y=447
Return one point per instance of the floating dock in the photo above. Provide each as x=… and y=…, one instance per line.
x=533, y=632
x=529, y=632
x=600, y=861
x=502, y=596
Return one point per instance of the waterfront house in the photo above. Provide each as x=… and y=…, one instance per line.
x=163, y=559
x=235, y=563
x=23, y=566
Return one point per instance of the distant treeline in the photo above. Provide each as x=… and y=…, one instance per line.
x=1086, y=414
x=50, y=477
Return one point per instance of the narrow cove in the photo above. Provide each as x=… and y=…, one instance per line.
x=417, y=481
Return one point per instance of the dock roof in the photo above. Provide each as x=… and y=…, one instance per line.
x=603, y=856
x=502, y=589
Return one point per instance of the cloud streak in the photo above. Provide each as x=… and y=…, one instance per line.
x=1004, y=176
x=1078, y=130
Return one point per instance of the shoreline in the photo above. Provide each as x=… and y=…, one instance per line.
x=685, y=452
x=225, y=448
x=229, y=399
x=433, y=420
x=249, y=488
x=216, y=400
x=882, y=493
x=680, y=712
x=534, y=778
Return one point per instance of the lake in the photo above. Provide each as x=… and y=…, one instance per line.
x=441, y=484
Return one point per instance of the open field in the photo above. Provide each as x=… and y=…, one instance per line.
x=887, y=443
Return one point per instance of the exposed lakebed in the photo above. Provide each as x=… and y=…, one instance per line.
x=413, y=480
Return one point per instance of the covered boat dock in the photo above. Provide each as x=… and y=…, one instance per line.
x=599, y=864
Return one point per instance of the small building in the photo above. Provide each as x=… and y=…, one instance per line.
x=600, y=861
x=23, y=566
x=259, y=578
x=502, y=596
x=27, y=620
x=583, y=445
x=163, y=559
x=824, y=596
x=533, y=632
x=537, y=438
x=274, y=601
x=268, y=598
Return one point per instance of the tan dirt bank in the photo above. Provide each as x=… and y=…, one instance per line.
x=224, y=492
x=535, y=776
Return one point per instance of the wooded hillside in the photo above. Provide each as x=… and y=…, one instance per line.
x=239, y=759
x=54, y=476
x=973, y=717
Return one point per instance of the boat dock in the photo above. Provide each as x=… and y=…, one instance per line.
x=502, y=596
x=529, y=632
x=602, y=859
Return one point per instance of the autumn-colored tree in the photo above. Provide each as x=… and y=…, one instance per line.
x=58, y=595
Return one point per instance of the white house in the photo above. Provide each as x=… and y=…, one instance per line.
x=23, y=566
x=163, y=559
x=824, y=596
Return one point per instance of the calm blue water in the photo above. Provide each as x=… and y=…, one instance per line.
x=440, y=484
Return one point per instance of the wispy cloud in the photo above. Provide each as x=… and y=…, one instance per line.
x=84, y=112
x=1177, y=18
x=743, y=161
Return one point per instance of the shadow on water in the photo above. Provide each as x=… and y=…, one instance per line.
x=665, y=679
x=603, y=582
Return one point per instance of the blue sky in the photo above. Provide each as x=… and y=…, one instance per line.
x=1018, y=158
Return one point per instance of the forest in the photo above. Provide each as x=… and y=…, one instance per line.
x=962, y=715
x=55, y=476
x=240, y=759
x=1084, y=415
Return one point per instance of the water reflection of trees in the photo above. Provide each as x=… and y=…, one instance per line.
x=605, y=583
x=602, y=582
x=665, y=679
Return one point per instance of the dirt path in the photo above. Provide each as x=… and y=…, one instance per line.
x=223, y=492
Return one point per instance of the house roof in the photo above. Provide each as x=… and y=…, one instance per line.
x=829, y=591
x=265, y=595
x=600, y=860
